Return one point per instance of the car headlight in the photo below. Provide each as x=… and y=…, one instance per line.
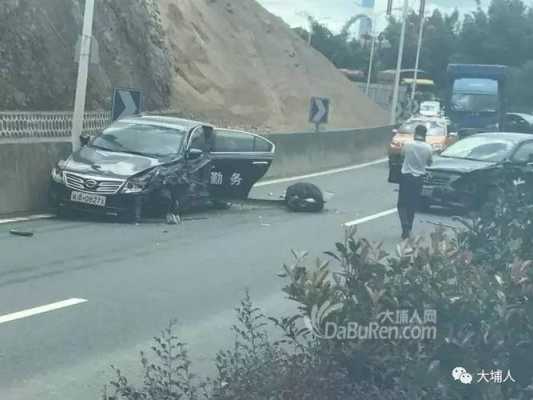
x=57, y=175
x=138, y=184
x=132, y=187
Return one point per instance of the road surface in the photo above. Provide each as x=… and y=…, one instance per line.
x=131, y=280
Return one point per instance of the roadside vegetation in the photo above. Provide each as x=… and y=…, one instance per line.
x=478, y=279
x=500, y=34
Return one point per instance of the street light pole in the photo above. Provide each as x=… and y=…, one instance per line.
x=83, y=72
x=399, y=66
x=372, y=49
x=418, y=50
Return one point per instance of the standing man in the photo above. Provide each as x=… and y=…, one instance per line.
x=416, y=157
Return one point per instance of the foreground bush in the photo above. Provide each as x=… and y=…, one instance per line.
x=479, y=281
x=255, y=368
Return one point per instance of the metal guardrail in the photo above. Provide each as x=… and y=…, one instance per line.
x=29, y=124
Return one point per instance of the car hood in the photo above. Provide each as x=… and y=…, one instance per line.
x=90, y=160
x=459, y=165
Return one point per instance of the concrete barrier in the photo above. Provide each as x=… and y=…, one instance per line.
x=24, y=172
x=25, y=164
x=302, y=153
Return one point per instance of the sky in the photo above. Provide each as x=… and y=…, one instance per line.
x=334, y=13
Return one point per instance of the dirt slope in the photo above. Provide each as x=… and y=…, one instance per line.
x=230, y=62
x=235, y=60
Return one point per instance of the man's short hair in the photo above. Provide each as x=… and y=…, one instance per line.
x=421, y=132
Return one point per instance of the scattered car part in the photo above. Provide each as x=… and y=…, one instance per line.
x=17, y=232
x=304, y=197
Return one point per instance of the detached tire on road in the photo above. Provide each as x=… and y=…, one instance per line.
x=304, y=197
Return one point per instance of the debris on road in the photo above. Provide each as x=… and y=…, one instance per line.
x=304, y=197
x=17, y=232
x=263, y=223
x=173, y=219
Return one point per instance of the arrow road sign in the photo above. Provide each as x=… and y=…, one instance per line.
x=319, y=110
x=126, y=102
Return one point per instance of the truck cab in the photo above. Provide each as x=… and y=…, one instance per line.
x=475, y=98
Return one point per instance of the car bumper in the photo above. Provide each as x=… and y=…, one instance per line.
x=447, y=197
x=115, y=205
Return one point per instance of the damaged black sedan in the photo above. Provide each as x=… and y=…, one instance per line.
x=470, y=172
x=152, y=165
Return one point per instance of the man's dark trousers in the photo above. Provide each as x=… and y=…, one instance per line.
x=409, y=201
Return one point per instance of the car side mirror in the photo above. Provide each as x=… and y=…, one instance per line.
x=85, y=139
x=194, y=154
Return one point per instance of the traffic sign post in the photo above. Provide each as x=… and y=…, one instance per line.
x=319, y=112
x=126, y=102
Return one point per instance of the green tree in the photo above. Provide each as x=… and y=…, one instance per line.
x=500, y=34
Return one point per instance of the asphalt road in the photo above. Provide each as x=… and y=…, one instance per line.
x=136, y=278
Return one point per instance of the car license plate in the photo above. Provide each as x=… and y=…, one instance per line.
x=87, y=198
x=427, y=191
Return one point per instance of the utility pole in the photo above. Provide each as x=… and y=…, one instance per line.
x=399, y=66
x=83, y=71
x=311, y=29
x=372, y=49
x=418, y=48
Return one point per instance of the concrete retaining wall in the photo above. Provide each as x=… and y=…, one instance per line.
x=24, y=172
x=25, y=164
x=302, y=153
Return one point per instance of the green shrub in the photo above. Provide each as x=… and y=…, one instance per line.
x=478, y=279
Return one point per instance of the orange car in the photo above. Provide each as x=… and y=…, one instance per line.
x=437, y=136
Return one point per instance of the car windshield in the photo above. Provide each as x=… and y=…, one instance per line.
x=435, y=128
x=141, y=139
x=480, y=148
x=430, y=107
x=474, y=102
x=527, y=117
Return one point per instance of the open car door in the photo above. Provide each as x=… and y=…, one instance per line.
x=239, y=160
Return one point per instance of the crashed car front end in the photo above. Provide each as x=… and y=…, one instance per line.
x=448, y=189
x=460, y=189
x=96, y=194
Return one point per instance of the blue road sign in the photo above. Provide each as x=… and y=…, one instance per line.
x=319, y=113
x=126, y=102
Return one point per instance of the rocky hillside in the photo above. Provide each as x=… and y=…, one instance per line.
x=228, y=61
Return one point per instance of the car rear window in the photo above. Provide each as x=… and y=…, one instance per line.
x=240, y=142
x=434, y=128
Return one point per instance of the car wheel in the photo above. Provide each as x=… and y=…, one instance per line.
x=304, y=197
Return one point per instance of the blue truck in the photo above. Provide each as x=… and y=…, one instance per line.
x=475, y=98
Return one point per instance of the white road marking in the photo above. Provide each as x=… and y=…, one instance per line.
x=370, y=218
x=323, y=173
x=25, y=219
x=40, y=310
